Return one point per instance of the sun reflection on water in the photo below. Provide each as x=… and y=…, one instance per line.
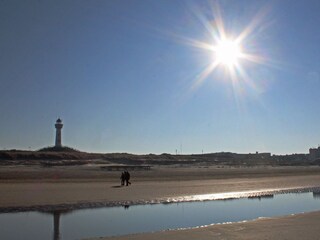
x=235, y=195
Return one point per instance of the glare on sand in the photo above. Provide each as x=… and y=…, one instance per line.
x=223, y=196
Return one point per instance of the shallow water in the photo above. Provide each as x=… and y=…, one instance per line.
x=112, y=221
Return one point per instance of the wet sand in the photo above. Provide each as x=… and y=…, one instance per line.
x=297, y=227
x=89, y=186
x=31, y=186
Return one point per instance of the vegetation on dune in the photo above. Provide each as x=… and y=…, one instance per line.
x=58, y=149
x=223, y=158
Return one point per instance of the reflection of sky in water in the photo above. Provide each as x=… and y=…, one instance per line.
x=25, y=225
x=146, y=218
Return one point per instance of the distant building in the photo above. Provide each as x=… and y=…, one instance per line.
x=264, y=154
x=314, y=153
x=58, y=126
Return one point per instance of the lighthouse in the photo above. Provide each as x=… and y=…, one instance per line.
x=58, y=126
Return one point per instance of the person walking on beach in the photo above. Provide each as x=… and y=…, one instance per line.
x=127, y=177
x=122, y=177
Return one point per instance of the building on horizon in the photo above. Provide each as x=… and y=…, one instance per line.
x=314, y=153
x=58, y=126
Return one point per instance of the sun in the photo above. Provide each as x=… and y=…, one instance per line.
x=231, y=54
x=227, y=52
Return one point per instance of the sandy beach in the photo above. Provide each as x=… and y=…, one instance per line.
x=23, y=186
x=300, y=226
x=34, y=187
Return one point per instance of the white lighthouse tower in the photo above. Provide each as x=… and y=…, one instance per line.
x=58, y=126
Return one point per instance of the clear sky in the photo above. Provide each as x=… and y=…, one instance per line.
x=131, y=75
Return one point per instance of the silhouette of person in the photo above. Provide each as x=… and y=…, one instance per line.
x=127, y=177
x=122, y=177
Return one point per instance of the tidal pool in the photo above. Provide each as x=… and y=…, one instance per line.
x=110, y=221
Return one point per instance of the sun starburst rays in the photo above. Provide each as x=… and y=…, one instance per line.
x=204, y=74
x=234, y=54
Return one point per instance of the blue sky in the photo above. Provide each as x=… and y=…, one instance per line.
x=121, y=75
